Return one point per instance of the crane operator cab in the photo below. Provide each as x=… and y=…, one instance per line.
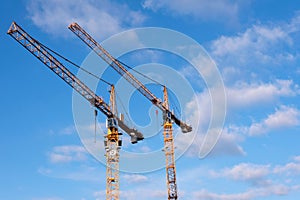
x=167, y=117
x=111, y=123
x=112, y=132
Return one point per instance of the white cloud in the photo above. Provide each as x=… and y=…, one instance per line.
x=252, y=173
x=158, y=194
x=65, y=154
x=100, y=19
x=229, y=142
x=145, y=149
x=292, y=168
x=78, y=172
x=245, y=172
x=99, y=194
x=135, y=178
x=253, y=193
x=68, y=130
x=243, y=94
x=200, y=100
x=239, y=96
x=282, y=118
x=297, y=158
x=218, y=10
x=258, y=44
x=199, y=110
x=263, y=180
x=255, y=38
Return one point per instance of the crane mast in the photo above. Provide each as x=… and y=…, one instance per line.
x=169, y=151
x=112, y=140
x=112, y=145
x=169, y=117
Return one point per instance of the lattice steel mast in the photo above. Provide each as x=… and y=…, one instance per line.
x=169, y=150
x=112, y=145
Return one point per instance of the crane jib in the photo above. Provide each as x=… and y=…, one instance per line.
x=35, y=48
x=115, y=64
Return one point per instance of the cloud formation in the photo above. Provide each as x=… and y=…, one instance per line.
x=283, y=117
x=135, y=178
x=100, y=19
x=244, y=172
x=277, y=190
x=291, y=168
x=262, y=43
x=263, y=180
x=66, y=154
x=218, y=10
x=239, y=97
x=243, y=94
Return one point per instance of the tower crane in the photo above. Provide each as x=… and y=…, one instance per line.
x=112, y=139
x=169, y=117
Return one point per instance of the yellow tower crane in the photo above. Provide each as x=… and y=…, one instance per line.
x=112, y=139
x=169, y=150
x=169, y=117
x=112, y=145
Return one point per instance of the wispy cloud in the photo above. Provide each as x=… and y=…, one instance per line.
x=217, y=10
x=66, y=154
x=245, y=172
x=262, y=179
x=68, y=130
x=243, y=94
x=135, y=178
x=262, y=43
x=239, y=97
x=291, y=168
x=277, y=190
x=99, y=18
x=228, y=144
x=78, y=172
x=253, y=173
x=282, y=118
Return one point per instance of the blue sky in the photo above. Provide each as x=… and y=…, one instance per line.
x=255, y=47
